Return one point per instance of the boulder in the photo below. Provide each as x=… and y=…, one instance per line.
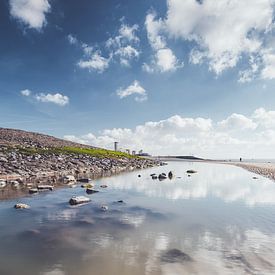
x=21, y=206
x=103, y=186
x=33, y=191
x=191, y=171
x=75, y=200
x=170, y=175
x=91, y=191
x=104, y=208
x=89, y=185
x=84, y=180
x=162, y=176
x=3, y=184
x=45, y=187
x=69, y=179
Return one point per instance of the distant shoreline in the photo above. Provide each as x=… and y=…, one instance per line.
x=263, y=169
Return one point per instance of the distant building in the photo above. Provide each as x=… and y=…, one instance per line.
x=128, y=151
x=115, y=145
x=133, y=153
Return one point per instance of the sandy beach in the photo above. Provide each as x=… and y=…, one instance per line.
x=263, y=169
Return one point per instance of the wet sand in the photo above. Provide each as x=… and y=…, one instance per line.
x=263, y=169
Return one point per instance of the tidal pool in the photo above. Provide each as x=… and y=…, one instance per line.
x=218, y=221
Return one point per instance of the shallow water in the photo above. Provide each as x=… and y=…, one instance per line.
x=218, y=221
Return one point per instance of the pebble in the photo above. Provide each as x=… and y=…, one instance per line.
x=104, y=207
x=21, y=206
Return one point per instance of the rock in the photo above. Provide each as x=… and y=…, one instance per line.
x=15, y=184
x=104, y=208
x=175, y=256
x=154, y=177
x=189, y=175
x=69, y=179
x=21, y=206
x=103, y=186
x=33, y=191
x=191, y=171
x=85, y=180
x=3, y=184
x=254, y=178
x=139, y=176
x=162, y=176
x=89, y=185
x=170, y=175
x=79, y=200
x=91, y=191
x=120, y=201
x=45, y=187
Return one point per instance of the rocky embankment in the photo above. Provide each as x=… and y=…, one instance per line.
x=30, y=159
x=263, y=169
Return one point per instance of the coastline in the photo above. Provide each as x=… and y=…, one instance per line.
x=97, y=169
x=263, y=169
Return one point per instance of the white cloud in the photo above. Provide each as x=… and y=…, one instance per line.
x=164, y=60
x=237, y=122
x=72, y=39
x=134, y=89
x=154, y=28
x=223, y=31
x=129, y=32
x=122, y=48
x=96, y=62
x=26, y=92
x=125, y=44
x=57, y=98
x=126, y=54
x=237, y=135
x=221, y=34
x=268, y=71
x=30, y=12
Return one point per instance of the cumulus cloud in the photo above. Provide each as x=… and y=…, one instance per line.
x=30, y=12
x=134, y=89
x=56, y=98
x=221, y=34
x=72, y=39
x=237, y=135
x=26, y=92
x=268, y=71
x=124, y=45
x=126, y=54
x=122, y=48
x=163, y=60
x=95, y=62
x=237, y=122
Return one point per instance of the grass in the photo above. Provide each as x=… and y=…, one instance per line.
x=94, y=152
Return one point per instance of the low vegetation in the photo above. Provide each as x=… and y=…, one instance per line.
x=94, y=152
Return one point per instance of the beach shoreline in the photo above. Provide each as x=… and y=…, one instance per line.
x=262, y=168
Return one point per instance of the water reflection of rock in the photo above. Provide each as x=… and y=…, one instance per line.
x=221, y=181
x=175, y=256
x=129, y=239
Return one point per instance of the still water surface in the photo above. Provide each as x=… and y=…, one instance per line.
x=218, y=221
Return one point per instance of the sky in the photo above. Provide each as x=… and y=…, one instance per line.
x=170, y=77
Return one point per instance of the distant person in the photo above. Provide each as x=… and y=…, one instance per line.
x=240, y=159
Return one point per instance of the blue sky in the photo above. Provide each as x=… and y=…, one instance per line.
x=99, y=71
